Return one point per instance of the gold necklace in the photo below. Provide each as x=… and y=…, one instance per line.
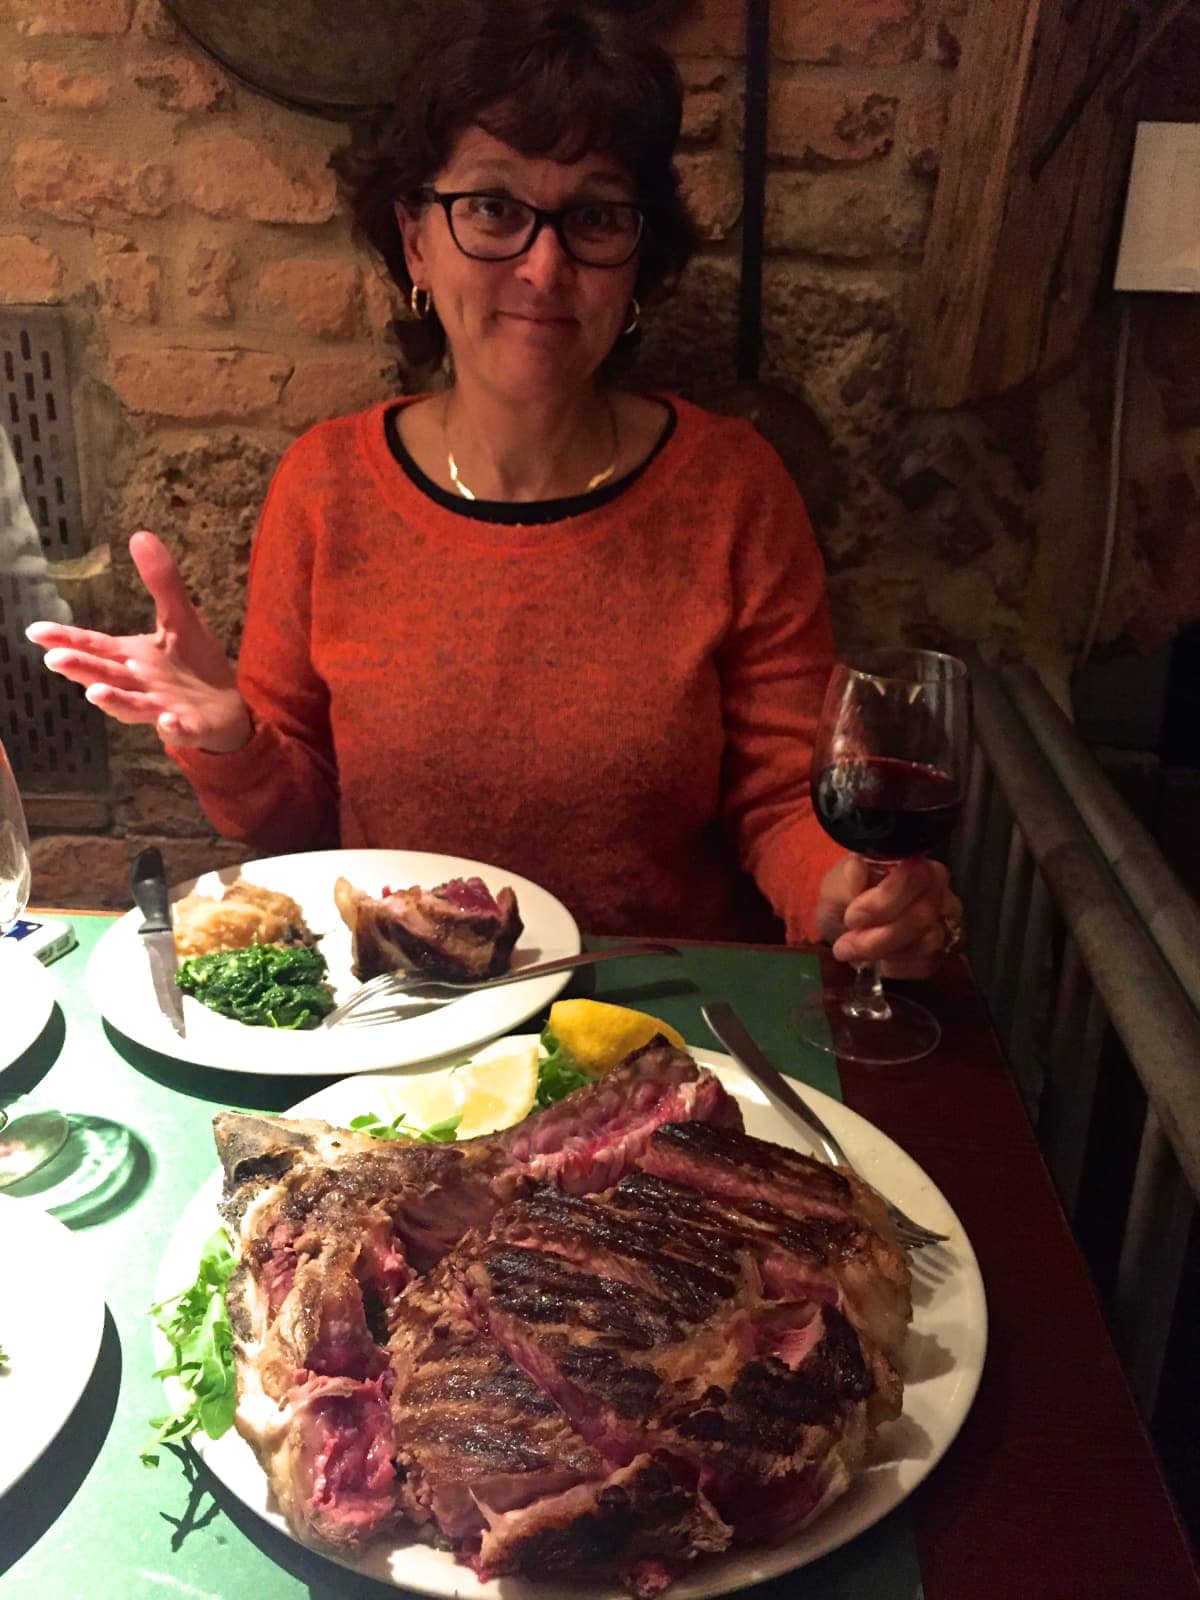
x=594, y=482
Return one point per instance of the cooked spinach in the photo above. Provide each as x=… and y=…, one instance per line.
x=266, y=985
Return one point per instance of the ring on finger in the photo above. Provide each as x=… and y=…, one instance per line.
x=952, y=929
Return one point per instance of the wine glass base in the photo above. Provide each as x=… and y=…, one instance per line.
x=28, y=1142
x=908, y=1034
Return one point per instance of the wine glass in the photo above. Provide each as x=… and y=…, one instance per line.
x=889, y=769
x=29, y=1141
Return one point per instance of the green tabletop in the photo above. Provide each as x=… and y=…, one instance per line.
x=89, y=1522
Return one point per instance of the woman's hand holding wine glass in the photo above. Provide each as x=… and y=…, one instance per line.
x=889, y=767
x=900, y=922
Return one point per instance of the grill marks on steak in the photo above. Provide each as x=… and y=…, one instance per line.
x=692, y=1273
x=456, y=931
x=839, y=1260
x=636, y=1373
x=495, y=1463
x=474, y=1435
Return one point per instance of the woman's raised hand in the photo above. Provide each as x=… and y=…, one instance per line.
x=178, y=677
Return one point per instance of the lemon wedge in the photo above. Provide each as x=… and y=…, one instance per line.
x=598, y=1035
x=495, y=1092
x=425, y=1099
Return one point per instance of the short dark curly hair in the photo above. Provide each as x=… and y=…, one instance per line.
x=549, y=77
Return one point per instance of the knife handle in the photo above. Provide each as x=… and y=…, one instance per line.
x=148, y=883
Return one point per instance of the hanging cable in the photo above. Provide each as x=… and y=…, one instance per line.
x=1116, y=433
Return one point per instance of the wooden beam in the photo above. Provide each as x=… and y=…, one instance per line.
x=1012, y=262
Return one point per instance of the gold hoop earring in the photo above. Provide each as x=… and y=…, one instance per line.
x=420, y=302
x=635, y=312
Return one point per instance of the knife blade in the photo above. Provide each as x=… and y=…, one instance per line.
x=729, y=1029
x=148, y=884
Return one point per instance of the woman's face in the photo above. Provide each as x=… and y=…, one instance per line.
x=539, y=325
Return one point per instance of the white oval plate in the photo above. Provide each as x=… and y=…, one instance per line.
x=943, y=1360
x=51, y=1322
x=26, y=1001
x=121, y=989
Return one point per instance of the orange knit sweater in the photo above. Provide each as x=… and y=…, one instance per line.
x=618, y=705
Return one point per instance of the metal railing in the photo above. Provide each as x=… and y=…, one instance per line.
x=1087, y=948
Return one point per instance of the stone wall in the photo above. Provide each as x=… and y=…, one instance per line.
x=217, y=307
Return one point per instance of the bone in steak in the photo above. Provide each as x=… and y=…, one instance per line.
x=551, y=1379
x=457, y=931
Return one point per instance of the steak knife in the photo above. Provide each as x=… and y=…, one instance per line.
x=730, y=1030
x=148, y=883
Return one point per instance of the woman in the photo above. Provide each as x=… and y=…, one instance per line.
x=533, y=618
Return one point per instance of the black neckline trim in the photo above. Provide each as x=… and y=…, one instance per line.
x=517, y=513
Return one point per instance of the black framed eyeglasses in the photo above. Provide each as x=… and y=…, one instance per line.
x=494, y=227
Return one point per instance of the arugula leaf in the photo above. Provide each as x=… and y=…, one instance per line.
x=201, y=1340
x=558, y=1075
x=444, y=1132
x=437, y=1133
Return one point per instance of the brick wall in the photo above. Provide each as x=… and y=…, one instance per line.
x=193, y=232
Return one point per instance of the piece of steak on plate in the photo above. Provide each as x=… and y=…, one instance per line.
x=838, y=1260
x=732, y=1167
x=765, y=1402
x=590, y=1139
x=326, y=1223
x=496, y=1465
x=327, y=1450
x=457, y=931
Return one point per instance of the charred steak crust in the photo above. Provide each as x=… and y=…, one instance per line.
x=609, y=1340
x=648, y=1509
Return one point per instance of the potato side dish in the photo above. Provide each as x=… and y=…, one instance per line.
x=245, y=914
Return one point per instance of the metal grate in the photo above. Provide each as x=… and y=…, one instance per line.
x=54, y=739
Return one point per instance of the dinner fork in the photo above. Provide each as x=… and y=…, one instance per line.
x=730, y=1030
x=439, y=991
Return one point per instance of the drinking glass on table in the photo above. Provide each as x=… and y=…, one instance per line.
x=889, y=769
x=28, y=1142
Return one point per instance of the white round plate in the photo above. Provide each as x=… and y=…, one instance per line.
x=26, y=998
x=121, y=989
x=943, y=1360
x=51, y=1321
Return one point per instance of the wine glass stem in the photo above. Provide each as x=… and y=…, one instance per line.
x=867, y=1002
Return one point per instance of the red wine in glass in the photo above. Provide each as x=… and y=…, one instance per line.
x=887, y=808
x=889, y=766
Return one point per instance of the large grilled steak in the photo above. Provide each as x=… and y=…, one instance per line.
x=616, y=1337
